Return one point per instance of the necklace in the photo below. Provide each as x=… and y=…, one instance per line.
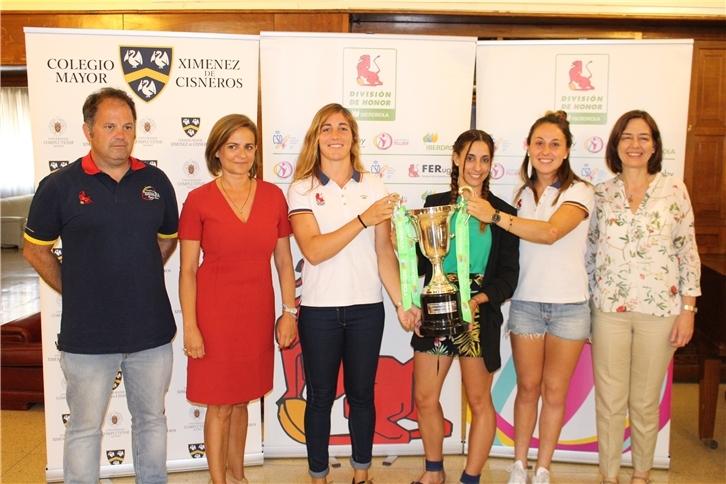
x=239, y=209
x=636, y=191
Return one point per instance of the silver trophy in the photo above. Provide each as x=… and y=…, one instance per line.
x=440, y=300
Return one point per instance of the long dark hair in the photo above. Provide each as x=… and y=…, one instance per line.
x=465, y=140
x=565, y=175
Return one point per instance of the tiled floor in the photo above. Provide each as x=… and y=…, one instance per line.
x=24, y=451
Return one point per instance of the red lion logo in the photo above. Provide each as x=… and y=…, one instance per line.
x=393, y=398
x=83, y=198
x=578, y=82
x=366, y=77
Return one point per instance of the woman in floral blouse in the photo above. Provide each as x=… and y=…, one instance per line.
x=644, y=274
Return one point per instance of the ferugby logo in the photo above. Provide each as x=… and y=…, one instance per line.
x=146, y=69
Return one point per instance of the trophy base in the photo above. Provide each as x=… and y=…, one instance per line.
x=441, y=315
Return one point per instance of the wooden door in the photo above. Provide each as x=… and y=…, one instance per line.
x=705, y=173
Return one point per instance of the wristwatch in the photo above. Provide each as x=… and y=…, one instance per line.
x=290, y=310
x=688, y=307
x=496, y=217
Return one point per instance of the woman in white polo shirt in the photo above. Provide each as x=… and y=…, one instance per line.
x=340, y=219
x=549, y=318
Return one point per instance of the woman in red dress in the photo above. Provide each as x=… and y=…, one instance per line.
x=238, y=222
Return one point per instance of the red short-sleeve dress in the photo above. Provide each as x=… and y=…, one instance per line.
x=235, y=300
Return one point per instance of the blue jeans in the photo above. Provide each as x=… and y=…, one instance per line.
x=570, y=321
x=90, y=379
x=329, y=335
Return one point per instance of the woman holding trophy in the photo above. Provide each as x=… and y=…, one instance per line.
x=493, y=272
x=340, y=218
x=549, y=319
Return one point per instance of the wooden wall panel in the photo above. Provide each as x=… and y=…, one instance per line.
x=711, y=90
x=214, y=22
x=508, y=26
x=711, y=240
x=493, y=31
x=311, y=22
x=13, y=37
x=708, y=184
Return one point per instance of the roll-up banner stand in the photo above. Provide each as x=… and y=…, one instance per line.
x=182, y=83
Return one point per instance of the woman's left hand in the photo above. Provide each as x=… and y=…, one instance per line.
x=408, y=319
x=286, y=330
x=682, y=329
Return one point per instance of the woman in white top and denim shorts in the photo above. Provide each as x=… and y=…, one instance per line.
x=549, y=318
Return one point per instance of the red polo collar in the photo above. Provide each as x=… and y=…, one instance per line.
x=90, y=167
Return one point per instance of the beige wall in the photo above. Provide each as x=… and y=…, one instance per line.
x=639, y=8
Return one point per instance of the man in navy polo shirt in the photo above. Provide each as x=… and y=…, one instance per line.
x=117, y=219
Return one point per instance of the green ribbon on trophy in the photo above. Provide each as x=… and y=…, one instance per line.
x=461, y=237
x=407, y=263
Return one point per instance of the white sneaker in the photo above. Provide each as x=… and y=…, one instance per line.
x=542, y=476
x=517, y=473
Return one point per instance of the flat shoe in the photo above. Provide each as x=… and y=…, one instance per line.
x=232, y=480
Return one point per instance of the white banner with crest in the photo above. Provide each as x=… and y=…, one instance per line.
x=182, y=84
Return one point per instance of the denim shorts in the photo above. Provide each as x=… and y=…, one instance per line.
x=570, y=321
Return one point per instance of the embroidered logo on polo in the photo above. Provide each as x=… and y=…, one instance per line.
x=146, y=69
x=84, y=199
x=150, y=193
x=319, y=199
x=116, y=457
x=196, y=450
x=54, y=165
x=191, y=126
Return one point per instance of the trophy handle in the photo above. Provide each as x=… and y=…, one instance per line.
x=396, y=205
x=461, y=194
x=416, y=229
